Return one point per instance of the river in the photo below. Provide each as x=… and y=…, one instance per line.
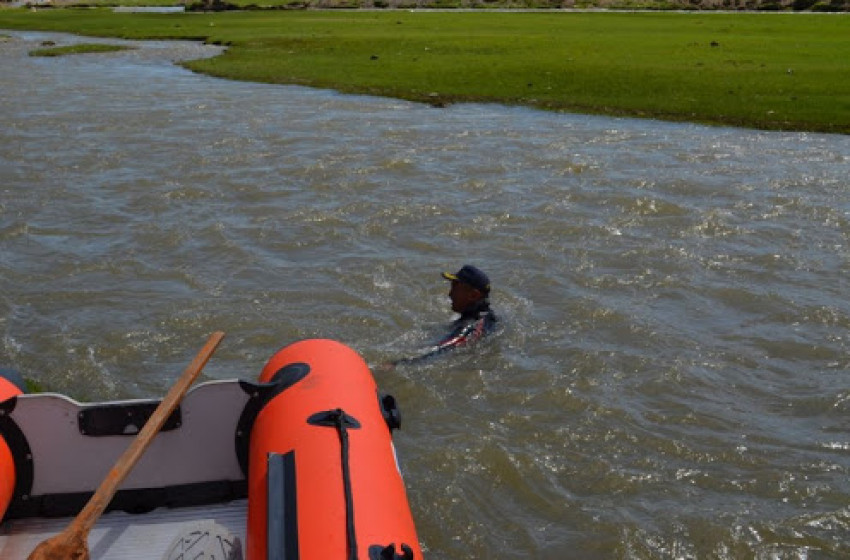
x=669, y=379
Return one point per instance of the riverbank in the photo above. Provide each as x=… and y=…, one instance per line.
x=725, y=69
x=815, y=6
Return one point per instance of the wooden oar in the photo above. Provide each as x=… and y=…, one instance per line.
x=72, y=543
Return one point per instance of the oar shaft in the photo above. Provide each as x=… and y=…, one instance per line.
x=96, y=505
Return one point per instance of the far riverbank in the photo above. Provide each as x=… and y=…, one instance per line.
x=713, y=68
x=736, y=6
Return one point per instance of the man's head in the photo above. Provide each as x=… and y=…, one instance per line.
x=469, y=286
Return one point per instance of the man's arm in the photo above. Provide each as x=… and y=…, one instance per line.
x=463, y=334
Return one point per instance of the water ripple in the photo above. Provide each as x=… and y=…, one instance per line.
x=667, y=381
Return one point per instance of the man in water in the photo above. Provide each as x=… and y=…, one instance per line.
x=470, y=296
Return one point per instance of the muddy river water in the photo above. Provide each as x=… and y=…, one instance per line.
x=669, y=379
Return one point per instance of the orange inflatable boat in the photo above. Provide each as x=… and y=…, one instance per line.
x=309, y=445
x=8, y=478
x=323, y=479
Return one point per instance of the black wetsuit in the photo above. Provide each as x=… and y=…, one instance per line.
x=473, y=324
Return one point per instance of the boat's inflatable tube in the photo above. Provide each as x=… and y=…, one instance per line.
x=323, y=481
x=8, y=389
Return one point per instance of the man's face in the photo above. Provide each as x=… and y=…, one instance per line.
x=462, y=296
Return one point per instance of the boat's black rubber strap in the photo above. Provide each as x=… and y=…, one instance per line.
x=21, y=455
x=342, y=422
x=259, y=395
x=379, y=552
x=334, y=419
x=122, y=419
x=281, y=509
x=138, y=500
x=390, y=411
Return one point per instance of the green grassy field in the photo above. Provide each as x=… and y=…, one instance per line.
x=770, y=71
